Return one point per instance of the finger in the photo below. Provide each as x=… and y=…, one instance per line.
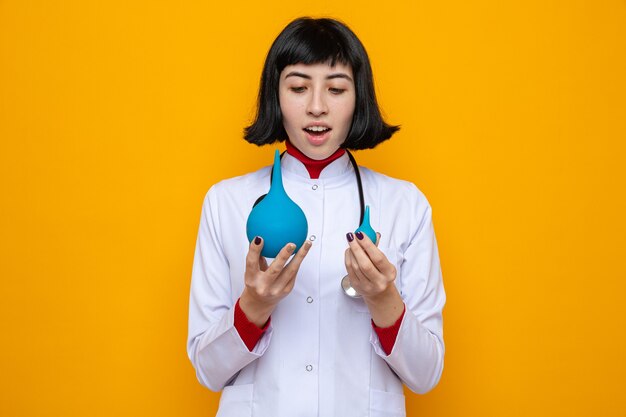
x=279, y=262
x=254, y=254
x=350, y=266
x=357, y=279
x=356, y=269
x=262, y=263
x=291, y=270
x=375, y=255
x=295, y=262
x=366, y=266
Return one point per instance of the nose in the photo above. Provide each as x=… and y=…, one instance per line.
x=317, y=104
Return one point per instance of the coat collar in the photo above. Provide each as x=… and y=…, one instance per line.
x=340, y=167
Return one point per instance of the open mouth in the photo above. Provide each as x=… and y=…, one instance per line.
x=317, y=131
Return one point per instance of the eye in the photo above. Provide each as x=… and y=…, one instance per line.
x=337, y=90
x=297, y=89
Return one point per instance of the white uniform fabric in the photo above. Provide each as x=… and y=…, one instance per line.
x=320, y=355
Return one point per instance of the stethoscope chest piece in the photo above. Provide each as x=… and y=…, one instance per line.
x=347, y=288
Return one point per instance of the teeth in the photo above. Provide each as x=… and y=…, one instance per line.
x=317, y=128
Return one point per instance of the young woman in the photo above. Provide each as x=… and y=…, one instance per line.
x=283, y=338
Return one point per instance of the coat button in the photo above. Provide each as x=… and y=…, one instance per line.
x=309, y=368
x=312, y=238
x=314, y=187
x=309, y=300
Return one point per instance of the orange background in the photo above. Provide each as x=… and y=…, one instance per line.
x=116, y=117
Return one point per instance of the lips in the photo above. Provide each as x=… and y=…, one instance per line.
x=317, y=137
x=317, y=132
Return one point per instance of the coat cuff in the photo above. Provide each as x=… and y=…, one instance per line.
x=249, y=332
x=387, y=335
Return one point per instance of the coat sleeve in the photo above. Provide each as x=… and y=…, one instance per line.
x=417, y=355
x=214, y=346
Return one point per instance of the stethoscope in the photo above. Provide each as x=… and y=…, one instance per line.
x=345, y=281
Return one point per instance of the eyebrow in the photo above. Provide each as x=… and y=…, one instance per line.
x=328, y=77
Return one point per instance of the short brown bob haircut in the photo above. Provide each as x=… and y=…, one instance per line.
x=312, y=41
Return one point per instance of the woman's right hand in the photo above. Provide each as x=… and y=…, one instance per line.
x=266, y=285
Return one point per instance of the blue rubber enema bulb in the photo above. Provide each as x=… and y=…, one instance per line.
x=366, y=227
x=277, y=219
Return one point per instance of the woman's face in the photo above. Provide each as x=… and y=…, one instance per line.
x=319, y=97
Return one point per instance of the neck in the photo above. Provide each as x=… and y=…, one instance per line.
x=313, y=166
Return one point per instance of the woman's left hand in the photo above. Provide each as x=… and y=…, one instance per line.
x=372, y=276
x=370, y=272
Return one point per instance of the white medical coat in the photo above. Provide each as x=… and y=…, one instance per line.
x=320, y=355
